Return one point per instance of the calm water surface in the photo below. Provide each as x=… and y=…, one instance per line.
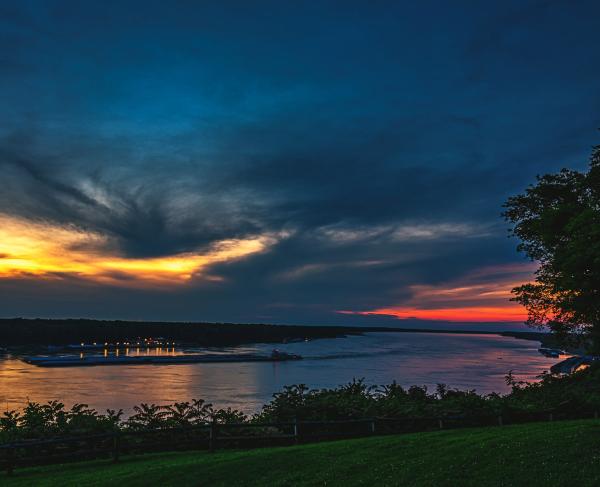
x=463, y=361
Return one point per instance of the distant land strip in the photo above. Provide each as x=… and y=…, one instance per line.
x=21, y=332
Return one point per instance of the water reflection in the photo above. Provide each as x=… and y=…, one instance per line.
x=465, y=361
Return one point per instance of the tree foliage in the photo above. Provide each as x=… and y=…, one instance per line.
x=558, y=223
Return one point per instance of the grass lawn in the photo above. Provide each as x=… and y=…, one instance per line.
x=548, y=454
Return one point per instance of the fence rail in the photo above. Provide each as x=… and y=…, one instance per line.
x=213, y=436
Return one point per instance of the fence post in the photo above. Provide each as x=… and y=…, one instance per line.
x=551, y=417
x=296, y=435
x=212, y=437
x=372, y=424
x=500, y=422
x=440, y=423
x=116, y=446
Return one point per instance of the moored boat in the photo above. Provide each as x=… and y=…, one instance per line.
x=551, y=352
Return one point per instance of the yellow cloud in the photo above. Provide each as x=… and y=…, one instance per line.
x=43, y=250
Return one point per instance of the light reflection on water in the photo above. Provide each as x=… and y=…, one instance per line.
x=463, y=361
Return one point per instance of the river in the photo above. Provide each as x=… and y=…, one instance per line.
x=459, y=360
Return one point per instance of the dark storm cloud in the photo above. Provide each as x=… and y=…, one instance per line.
x=377, y=142
x=137, y=214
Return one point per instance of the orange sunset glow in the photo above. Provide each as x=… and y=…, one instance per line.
x=481, y=296
x=463, y=314
x=41, y=250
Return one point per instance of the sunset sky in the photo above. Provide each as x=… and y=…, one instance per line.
x=283, y=162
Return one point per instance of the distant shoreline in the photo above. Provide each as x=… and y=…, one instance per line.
x=544, y=337
x=23, y=332
x=523, y=335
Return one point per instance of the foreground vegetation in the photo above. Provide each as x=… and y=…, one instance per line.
x=575, y=396
x=559, y=453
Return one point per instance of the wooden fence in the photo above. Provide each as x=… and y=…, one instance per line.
x=213, y=436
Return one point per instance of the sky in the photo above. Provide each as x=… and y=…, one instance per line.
x=282, y=162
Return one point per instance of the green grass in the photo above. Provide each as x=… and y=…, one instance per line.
x=548, y=454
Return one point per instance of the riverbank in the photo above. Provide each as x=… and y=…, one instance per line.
x=31, y=332
x=560, y=453
x=22, y=332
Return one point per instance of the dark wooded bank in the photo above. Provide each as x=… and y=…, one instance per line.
x=20, y=331
x=48, y=332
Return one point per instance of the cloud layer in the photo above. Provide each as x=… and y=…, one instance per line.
x=348, y=157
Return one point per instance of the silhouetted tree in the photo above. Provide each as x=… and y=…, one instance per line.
x=558, y=223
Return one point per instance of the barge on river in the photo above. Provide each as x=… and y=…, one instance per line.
x=80, y=361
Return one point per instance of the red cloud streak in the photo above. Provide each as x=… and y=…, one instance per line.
x=480, y=296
